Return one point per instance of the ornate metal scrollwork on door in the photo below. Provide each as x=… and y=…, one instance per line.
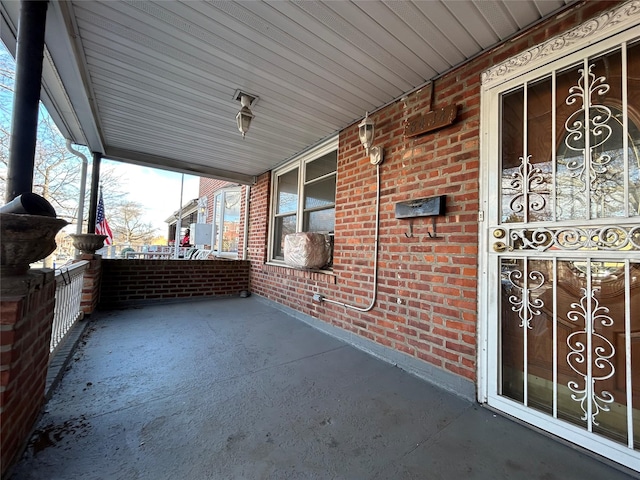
x=603, y=238
x=524, y=181
x=521, y=301
x=589, y=312
x=588, y=128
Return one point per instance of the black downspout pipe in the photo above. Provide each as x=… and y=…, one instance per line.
x=93, y=202
x=24, y=123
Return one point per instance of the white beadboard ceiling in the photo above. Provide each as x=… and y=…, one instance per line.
x=153, y=82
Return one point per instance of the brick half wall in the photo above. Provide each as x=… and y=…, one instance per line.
x=134, y=282
x=26, y=315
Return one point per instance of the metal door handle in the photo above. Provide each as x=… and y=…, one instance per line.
x=500, y=247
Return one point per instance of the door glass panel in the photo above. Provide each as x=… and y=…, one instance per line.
x=570, y=198
x=537, y=176
x=633, y=138
x=527, y=319
x=512, y=108
x=512, y=340
x=607, y=153
x=608, y=346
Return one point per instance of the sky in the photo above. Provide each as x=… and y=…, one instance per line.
x=157, y=191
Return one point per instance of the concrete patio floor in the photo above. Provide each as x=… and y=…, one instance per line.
x=235, y=388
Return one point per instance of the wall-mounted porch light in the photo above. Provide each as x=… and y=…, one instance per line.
x=245, y=115
x=366, y=132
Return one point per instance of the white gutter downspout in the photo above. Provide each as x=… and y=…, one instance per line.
x=321, y=298
x=83, y=185
x=245, y=248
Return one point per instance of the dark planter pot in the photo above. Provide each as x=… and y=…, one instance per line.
x=25, y=239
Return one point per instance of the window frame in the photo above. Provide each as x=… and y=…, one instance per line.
x=221, y=215
x=300, y=162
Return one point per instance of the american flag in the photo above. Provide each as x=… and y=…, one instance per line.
x=102, y=226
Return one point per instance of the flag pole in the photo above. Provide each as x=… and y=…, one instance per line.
x=178, y=223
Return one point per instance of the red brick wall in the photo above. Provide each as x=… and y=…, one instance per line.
x=26, y=314
x=91, y=283
x=131, y=282
x=258, y=222
x=427, y=294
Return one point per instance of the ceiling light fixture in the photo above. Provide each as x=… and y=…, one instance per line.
x=245, y=115
x=366, y=132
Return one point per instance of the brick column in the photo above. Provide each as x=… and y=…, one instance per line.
x=26, y=315
x=91, y=282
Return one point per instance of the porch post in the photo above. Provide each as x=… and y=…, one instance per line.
x=24, y=123
x=93, y=202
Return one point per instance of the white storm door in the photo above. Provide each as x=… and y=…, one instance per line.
x=562, y=248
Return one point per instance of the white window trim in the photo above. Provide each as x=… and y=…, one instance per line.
x=298, y=162
x=222, y=191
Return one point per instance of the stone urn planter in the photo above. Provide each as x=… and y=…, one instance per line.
x=88, y=242
x=25, y=239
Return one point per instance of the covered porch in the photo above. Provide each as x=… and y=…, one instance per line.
x=239, y=388
x=160, y=84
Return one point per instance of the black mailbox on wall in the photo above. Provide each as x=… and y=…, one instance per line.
x=423, y=207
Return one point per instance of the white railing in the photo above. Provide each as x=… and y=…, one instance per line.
x=184, y=253
x=155, y=252
x=69, y=281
